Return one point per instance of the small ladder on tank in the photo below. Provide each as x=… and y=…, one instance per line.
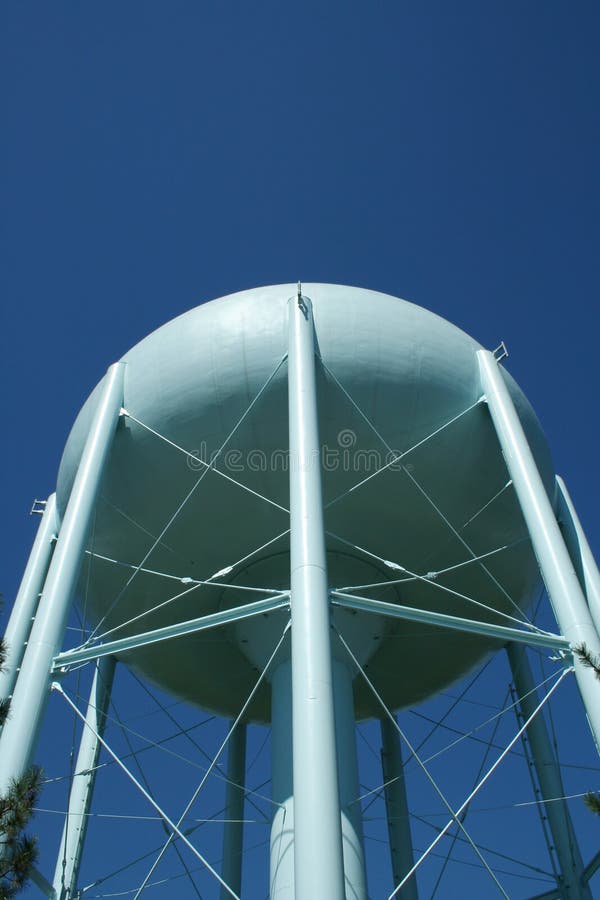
x=37, y=508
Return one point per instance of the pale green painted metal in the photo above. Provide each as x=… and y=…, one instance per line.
x=173, y=828
x=26, y=602
x=281, y=843
x=42, y=883
x=20, y=732
x=408, y=371
x=548, y=774
x=355, y=876
x=282, y=863
x=420, y=356
x=233, y=831
x=82, y=784
x=202, y=623
x=318, y=853
x=593, y=866
x=567, y=598
x=456, y=623
x=590, y=871
x=580, y=551
x=396, y=805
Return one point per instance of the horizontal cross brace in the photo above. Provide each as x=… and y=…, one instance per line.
x=457, y=623
x=213, y=620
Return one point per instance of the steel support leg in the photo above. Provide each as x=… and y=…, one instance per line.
x=20, y=622
x=355, y=878
x=569, y=604
x=82, y=788
x=282, y=829
x=318, y=858
x=20, y=732
x=550, y=782
x=281, y=878
x=233, y=835
x=396, y=804
x=580, y=551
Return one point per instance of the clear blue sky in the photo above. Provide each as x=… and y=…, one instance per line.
x=157, y=155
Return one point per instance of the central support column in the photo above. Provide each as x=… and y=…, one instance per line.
x=282, y=830
x=233, y=833
x=318, y=855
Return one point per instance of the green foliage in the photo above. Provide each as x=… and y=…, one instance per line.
x=4, y=708
x=592, y=801
x=4, y=704
x=585, y=655
x=18, y=851
x=592, y=798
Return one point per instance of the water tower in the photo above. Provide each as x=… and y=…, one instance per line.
x=360, y=500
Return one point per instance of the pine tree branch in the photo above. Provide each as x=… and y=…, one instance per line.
x=18, y=851
x=4, y=710
x=592, y=801
x=589, y=661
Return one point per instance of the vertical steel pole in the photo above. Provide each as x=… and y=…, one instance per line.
x=318, y=859
x=550, y=782
x=396, y=804
x=233, y=834
x=29, y=699
x=26, y=602
x=355, y=878
x=569, y=604
x=281, y=881
x=580, y=551
x=282, y=829
x=82, y=788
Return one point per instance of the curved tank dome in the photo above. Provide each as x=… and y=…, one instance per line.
x=393, y=380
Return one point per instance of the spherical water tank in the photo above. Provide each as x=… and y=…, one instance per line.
x=392, y=378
